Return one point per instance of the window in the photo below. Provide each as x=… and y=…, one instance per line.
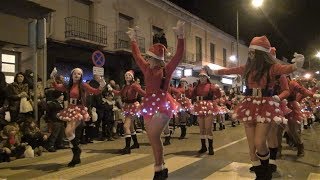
x=125, y=22
x=198, y=49
x=224, y=57
x=9, y=66
x=159, y=36
x=122, y=39
x=212, y=52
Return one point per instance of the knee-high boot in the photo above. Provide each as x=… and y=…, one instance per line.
x=183, y=131
x=76, y=153
x=210, y=147
x=126, y=149
x=203, y=144
x=263, y=171
x=135, y=141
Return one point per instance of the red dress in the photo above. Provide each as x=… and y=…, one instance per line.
x=222, y=104
x=205, y=96
x=129, y=94
x=261, y=109
x=181, y=97
x=76, y=110
x=158, y=99
x=297, y=92
x=283, y=93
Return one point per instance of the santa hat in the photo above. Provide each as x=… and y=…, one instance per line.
x=131, y=73
x=273, y=52
x=203, y=73
x=260, y=43
x=77, y=69
x=157, y=51
x=183, y=79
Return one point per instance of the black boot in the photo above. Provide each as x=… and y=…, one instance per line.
x=203, y=146
x=126, y=150
x=214, y=126
x=273, y=156
x=300, y=148
x=76, y=152
x=263, y=171
x=166, y=141
x=233, y=124
x=211, y=152
x=76, y=157
x=183, y=131
x=135, y=142
x=220, y=126
x=161, y=175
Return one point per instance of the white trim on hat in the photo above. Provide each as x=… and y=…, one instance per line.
x=204, y=75
x=129, y=72
x=77, y=69
x=155, y=56
x=259, y=48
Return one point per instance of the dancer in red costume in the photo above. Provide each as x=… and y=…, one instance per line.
x=181, y=93
x=205, y=96
x=76, y=111
x=158, y=105
x=129, y=94
x=258, y=108
x=297, y=92
x=280, y=93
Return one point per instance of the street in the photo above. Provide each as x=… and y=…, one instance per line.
x=231, y=160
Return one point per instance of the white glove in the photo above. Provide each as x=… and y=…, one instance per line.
x=102, y=83
x=316, y=96
x=179, y=29
x=298, y=60
x=276, y=98
x=132, y=33
x=53, y=73
x=94, y=114
x=109, y=87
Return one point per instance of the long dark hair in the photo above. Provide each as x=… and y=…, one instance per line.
x=16, y=76
x=82, y=93
x=260, y=65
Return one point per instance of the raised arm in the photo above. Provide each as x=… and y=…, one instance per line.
x=90, y=89
x=279, y=69
x=236, y=70
x=141, y=62
x=171, y=66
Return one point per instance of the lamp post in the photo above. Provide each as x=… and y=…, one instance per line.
x=256, y=4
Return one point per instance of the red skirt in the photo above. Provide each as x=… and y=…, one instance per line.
x=132, y=109
x=296, y=113
x=224, y=109
x=74, y=113
x=186, y=104
x=259, y=109
x=159, y=102
x=204, y=107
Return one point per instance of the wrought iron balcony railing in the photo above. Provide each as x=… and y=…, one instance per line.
x=79, y=28
x=122, y=41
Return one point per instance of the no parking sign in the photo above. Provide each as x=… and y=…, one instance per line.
x=98, y=58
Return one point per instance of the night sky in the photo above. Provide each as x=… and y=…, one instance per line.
x=290, y=25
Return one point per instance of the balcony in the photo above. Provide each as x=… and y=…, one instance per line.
x=122, y=42
x=82, y=31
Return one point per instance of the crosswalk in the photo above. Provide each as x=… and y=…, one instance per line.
x=108, y=167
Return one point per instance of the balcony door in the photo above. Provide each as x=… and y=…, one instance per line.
x=122, y=38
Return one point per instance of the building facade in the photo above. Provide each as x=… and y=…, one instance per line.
x=77, y=28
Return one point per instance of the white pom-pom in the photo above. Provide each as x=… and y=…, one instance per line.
x=268, y=114
x=271, y=103
x=249, y=118
x=247, y=112
x=248, y=99
x=153, y=95
x=263, y=101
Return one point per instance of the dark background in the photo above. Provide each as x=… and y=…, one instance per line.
x=290, y=25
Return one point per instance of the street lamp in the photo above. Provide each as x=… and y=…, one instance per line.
x=307, y=76
x=256, y=4
x=318, y=54
x=317, y=72
x=233, y=58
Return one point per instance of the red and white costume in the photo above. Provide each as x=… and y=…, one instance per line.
x=157, y=98
x=205, y=96
x=222, y=104
x=297, y=93
x=282, y=91
x=129, y=94
x=76, y=110
x=181, y=97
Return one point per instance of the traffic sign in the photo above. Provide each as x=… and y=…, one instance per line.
x=98, y=70
x=98, y=58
